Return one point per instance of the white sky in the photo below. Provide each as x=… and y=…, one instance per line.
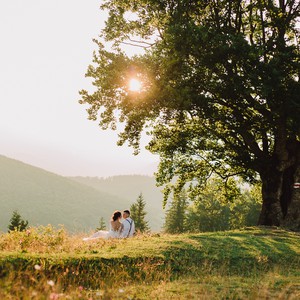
x=46, y=47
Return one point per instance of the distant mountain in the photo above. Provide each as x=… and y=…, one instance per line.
x=45, y=198
x=128, y=188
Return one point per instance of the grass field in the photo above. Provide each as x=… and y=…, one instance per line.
x=253, y=263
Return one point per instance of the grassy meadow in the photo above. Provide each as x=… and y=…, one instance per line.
x=48, y=263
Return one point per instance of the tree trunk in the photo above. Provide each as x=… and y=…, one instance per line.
x=292, y=216
x=271, y=212
x=281, y=193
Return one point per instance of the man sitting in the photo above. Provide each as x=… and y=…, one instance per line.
x=128, y=225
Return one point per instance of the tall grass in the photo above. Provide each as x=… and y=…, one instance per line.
x=48, y=263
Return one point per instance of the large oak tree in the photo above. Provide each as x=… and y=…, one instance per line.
x=220, y=92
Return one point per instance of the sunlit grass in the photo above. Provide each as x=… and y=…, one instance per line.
x=48, y=263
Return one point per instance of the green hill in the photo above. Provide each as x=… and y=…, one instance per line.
x=43, y=198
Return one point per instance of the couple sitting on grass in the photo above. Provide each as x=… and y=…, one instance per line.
x=118, y=228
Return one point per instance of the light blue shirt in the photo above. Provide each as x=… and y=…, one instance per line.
x=128, y=228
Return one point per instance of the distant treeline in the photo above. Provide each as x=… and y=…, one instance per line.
x=215, y=208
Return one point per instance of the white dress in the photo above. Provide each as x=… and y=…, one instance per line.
x=104, y=234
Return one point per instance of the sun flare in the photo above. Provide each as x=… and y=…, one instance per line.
x=135, y=85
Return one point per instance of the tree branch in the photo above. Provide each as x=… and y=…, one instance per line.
x=137, y=45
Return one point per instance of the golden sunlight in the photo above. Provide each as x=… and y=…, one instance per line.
x=135, y=85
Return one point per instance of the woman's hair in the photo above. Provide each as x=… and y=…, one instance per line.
x=116, y=215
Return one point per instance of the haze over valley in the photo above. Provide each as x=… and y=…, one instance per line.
x=43, y=198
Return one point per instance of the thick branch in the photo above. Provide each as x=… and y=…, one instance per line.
x=251, y=143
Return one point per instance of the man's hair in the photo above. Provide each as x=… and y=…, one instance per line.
x=126, y=211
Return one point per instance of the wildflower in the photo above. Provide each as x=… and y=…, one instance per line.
x=80, y=288
x=121, y=291
x=34, y=294
x=50, y=282
x=37, y=267
x=75, y=273
x=100, y=293
x=54, y=296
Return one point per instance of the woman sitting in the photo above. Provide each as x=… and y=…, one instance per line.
x=115, y=229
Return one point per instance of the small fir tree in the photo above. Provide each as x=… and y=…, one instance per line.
x=138, y=214
x=176, y=214
x=254, y=202
x=17, y=223
x=102, y=224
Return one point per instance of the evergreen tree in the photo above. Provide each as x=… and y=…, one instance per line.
x=17, y=223
x=176, y=214
x=245, y=209
x=102, y=224
x=253, y=204
x=138, y=214
x=218, y=208
x=209, y=214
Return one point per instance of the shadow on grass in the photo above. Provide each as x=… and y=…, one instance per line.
x=238, y=253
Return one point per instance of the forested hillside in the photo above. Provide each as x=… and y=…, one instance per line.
x=45, y=198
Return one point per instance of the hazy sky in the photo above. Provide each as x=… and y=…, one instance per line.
x=46, y=47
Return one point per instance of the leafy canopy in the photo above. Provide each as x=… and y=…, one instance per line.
x=220, y=84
